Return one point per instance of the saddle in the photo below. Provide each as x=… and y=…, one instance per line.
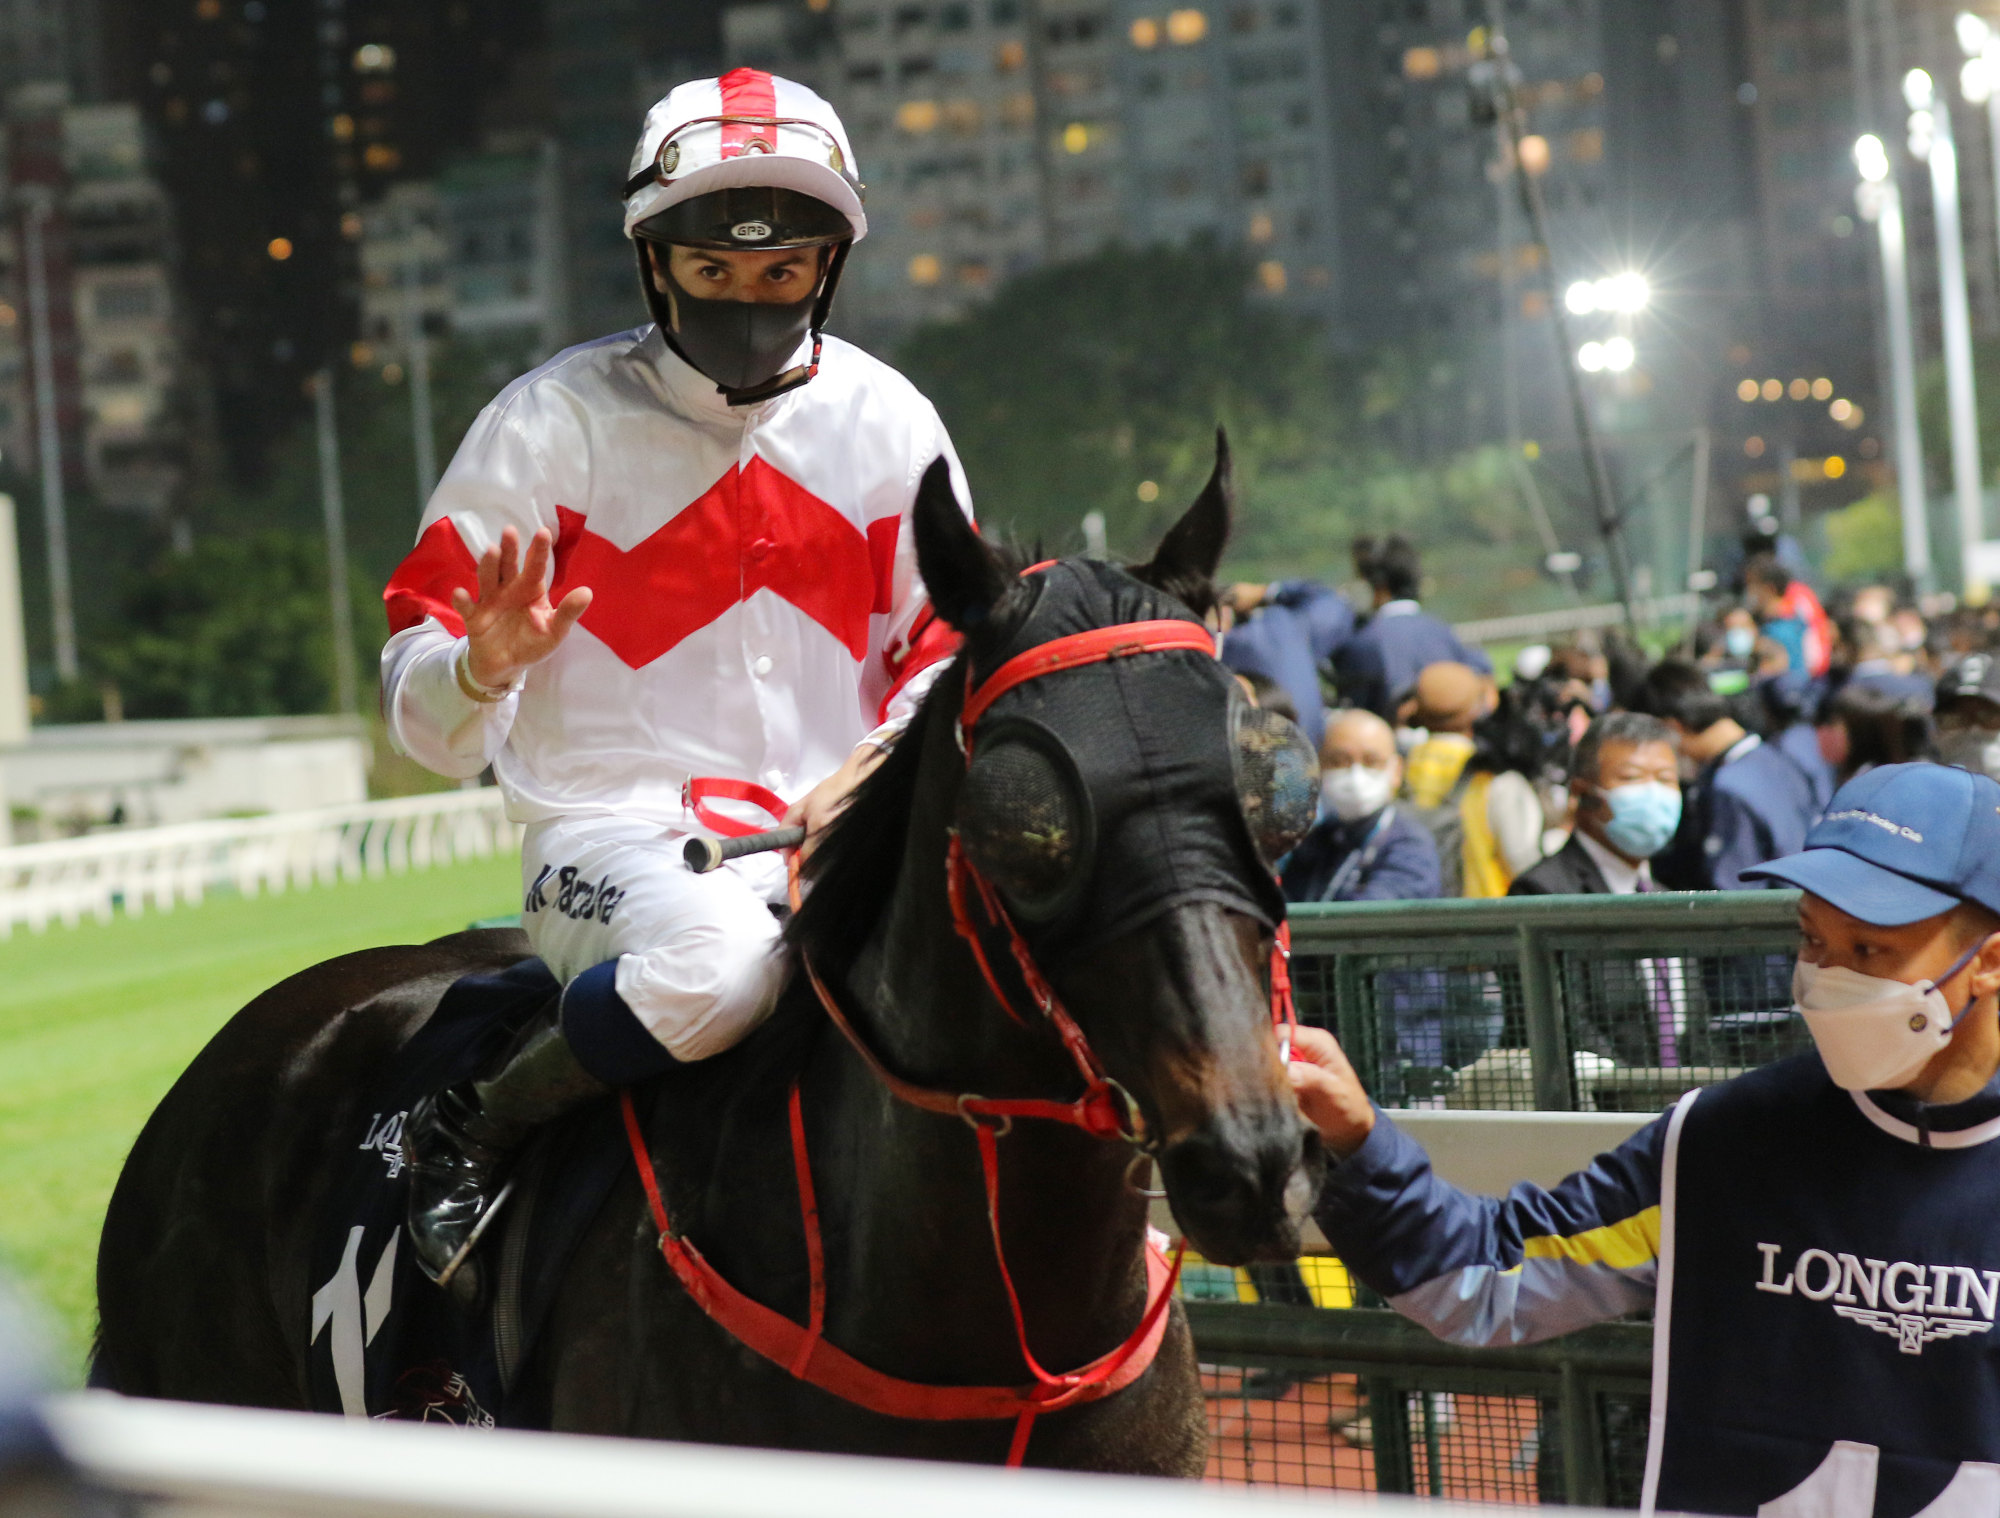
x=384, y=1341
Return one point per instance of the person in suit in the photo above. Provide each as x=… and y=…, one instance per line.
x=1624, y=779
x=1747, y=802
x=1364, y=848
x=1378, y=666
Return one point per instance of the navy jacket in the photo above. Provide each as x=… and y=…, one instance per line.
x=1737, y=813
x=1400, y=865
x=1300, y=626
x=1800, y=741
x=1379, y=664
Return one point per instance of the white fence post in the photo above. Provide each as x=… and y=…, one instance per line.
x=157, y=869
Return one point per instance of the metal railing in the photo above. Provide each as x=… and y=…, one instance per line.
x=1551, y=1003
x=1359, y=1399
x=161, y=868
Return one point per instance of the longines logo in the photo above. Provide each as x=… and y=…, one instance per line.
x=1913, y=1304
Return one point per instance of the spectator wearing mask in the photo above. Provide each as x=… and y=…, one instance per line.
x=1968, y=715
x=1790, y=613
x=1285, y=631
x=1747, y=803
x=1881, y=663
x=1378, y=666
x=1862, y=726
x=1364, y=848
x=1624, y=780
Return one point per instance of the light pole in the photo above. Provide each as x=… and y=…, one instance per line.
x=40, y=206
x=1878, y=200
x=1501, y=80
x=1931, y=141
x=333, y=508
x=417, y=348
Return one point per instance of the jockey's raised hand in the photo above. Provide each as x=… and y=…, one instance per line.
x=512, y=625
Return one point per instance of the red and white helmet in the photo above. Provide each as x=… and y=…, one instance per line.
x=747, y=128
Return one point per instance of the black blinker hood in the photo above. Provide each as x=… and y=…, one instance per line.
x=1151, y=739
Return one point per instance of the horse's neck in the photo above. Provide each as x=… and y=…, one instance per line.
x=915, y=1228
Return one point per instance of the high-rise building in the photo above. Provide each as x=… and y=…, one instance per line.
x=115, y=325
x=278, y=123
x=1002, y=134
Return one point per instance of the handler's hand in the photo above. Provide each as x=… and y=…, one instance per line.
x=827, y=800
x=1329, y=1092
x=512, y=625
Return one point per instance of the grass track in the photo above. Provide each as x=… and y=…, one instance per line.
x=97, y=1021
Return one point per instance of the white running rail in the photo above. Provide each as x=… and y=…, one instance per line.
x=160, y=868
x=172, y=1460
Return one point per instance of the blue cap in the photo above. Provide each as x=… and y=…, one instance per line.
x=1901, y=843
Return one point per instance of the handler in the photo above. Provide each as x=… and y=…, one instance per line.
x=717, y=618
x=1819, y=1239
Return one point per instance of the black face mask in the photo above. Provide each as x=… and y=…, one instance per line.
x=741, y=345
x=1099, y=797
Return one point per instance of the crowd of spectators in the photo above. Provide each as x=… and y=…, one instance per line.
x=1597, y=768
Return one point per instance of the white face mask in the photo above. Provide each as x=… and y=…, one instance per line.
x=1874, y=1034
x=1355, y=792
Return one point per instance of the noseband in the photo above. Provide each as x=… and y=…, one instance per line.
x=1105, y=1110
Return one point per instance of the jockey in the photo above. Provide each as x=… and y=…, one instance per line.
x=667, y=586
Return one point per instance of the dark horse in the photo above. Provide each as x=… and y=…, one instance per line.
x=1160, y=952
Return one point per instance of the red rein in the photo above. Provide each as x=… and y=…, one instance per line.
x=1105, y=1111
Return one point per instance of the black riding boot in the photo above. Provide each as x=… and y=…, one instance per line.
x=459, y=1144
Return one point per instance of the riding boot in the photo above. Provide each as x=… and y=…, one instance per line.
x=459, y=1145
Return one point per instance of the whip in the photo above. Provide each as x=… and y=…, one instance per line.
x=706, y=854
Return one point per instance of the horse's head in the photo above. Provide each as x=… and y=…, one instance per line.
x=1128, y=812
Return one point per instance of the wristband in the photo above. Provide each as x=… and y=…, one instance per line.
x=462, y=667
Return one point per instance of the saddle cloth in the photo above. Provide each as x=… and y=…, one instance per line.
x=385, y=1342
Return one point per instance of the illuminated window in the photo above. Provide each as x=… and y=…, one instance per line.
x=1754, y=447
x=343, y=127
x=1835, y=467
x=1010, y=58
x=917, y=116
x=1422, y=63
x=280, y=248
x=1075, y=137
x=962, y=116
x=382, y=158
x=1271, y=276
x=1773, y=389
x=374, y=58
x=1186, y=27
x=1149, y=491
x=925, y=269
x=1800, y=389
x=1587, y=146
x=1261, y=227
x=1535, y=154
x=1747, y=391
x=1822, y=389
x=1145, y=33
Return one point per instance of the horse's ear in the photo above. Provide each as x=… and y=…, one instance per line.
x=1184, y=565
x=960, y=572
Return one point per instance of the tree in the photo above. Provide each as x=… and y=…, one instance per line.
x=1081, y=382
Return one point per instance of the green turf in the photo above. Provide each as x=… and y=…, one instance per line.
x=97, y=1021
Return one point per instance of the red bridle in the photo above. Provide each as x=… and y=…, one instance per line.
x=1105, y=1110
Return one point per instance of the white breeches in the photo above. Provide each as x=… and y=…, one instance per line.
x=697, y=960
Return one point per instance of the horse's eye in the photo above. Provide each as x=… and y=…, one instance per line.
x=1277, y=779
x=1023, y=823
